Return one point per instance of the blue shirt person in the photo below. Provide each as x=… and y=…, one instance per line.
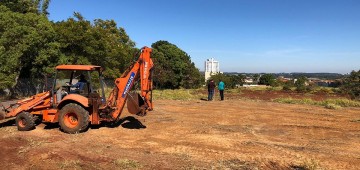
x=221, y=88
x=81, y=83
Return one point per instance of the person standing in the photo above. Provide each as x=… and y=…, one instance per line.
x=211, y=89
x=221, y=89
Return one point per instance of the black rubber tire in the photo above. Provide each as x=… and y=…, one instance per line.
x=77, y=112
x=37, y=120
x=25, y=121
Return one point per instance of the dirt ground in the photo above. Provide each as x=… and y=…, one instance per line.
x=268, y=95
x=196, y=134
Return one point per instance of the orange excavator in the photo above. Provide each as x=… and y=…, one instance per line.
x=75, y=103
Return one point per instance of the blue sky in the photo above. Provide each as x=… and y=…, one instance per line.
x=243, y=35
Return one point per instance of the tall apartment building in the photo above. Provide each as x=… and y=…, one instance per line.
x=211, y=68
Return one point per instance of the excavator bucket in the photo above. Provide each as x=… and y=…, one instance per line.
x=135, y=103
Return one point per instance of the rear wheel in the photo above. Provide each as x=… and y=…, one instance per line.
x=73, y=118
x=25, y=121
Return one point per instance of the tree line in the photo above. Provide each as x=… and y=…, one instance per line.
x=31, y=46
x=348, y=84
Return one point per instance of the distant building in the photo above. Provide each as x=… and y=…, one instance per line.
x=212, y=67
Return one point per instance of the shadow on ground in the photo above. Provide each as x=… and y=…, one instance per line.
x=128, y=122
x=8, y=122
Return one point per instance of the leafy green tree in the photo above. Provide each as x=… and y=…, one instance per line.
x=27, y=6
x=101, y=43
x=173, y=67
x=217, y=77
x=288, y=85
x=27, y=44
x=301, y=84
x=267, y=79
x=256, y=78
x=351, y=85
x=231, y=81
x=236, y=80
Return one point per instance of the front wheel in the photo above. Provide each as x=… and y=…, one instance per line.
x=73, y=118
x=25, y=121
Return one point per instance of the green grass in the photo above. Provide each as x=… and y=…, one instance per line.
x=343, y=102
x=328, y=103
x=179, y=94
x=196, y=94
x=168, y=94
x=327, y=90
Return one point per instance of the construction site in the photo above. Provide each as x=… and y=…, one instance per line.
x=78, y=92
x=196, y=134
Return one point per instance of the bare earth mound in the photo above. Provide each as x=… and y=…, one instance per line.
x=231, y=134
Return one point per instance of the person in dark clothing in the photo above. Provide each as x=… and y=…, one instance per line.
x=211, y=89
x=79, y=86
x=81, y=83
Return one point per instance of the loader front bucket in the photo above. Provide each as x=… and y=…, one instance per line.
x=135, y=103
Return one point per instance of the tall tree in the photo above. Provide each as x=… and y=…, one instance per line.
x=174, y=68
x=267, y=79
x=27, y=44
x=27, y=6
x=231, y=81
x=101, y=43
x=256, y=78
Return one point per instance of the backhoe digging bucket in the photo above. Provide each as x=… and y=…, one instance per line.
x=135, y=104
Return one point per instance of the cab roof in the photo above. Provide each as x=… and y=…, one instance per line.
x=78, y=67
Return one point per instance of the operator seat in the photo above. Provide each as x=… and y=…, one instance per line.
x=85, y=90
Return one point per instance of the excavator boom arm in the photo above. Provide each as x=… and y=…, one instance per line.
x=141, y=69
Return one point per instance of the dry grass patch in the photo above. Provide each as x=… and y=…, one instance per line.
x=127, y=164
x=70, y=164
x=308, y=165
x=328, y=103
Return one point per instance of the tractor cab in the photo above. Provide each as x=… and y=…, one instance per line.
x=75, y=80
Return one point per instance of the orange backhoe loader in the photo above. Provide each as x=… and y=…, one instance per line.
x=74, y=102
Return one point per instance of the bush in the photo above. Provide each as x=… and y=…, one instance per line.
x=286, y=88
x=332, y=106
x=326, y=90
x=267, y=79
x=300, y=84
x=351, y=85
